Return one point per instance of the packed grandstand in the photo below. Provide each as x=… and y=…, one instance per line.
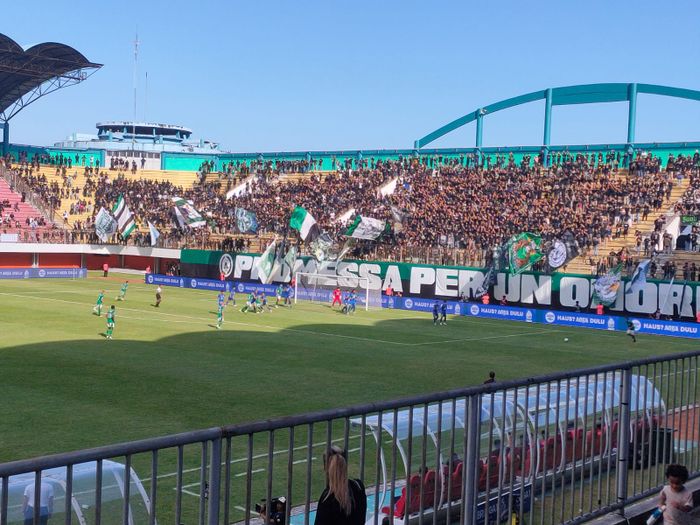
x=455, y=207
x=494, y=453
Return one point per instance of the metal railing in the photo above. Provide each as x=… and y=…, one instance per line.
x=560, y=448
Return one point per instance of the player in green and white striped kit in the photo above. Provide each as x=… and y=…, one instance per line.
x=111, y=315
x=97, y=309
x=122, y=292
x=220, y=313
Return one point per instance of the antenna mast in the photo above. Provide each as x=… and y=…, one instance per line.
x=133, y=127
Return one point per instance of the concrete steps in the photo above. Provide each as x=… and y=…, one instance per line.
x=581, y=264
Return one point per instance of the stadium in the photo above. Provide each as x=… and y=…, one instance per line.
x=469, y=335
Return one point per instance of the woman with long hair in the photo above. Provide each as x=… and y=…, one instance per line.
x=343, y=501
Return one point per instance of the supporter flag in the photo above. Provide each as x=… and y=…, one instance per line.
x=154, y=233
x=290, y=258
x=266, y=263
x=399, y=217
x=105, y=225
x=639, y=277
x=349, y=245
x=488, y=281
x=522, y=251
x=304, y=222
x=366, y=228
x=562, y=250
x=246, y=221
x=605, y=288
x=186, y=214
x=124, y=217
x=321, y=247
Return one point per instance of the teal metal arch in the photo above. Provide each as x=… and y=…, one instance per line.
x=564, y=96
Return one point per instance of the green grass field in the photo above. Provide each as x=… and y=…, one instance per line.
x=168, y=370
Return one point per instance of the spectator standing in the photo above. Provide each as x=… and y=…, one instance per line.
x=343, y=501
x=46, y=497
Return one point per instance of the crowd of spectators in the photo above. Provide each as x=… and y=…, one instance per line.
x=458, y=202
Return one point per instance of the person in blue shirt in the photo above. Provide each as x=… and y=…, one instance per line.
x=443, y=313
x=287, y=295
x=352, y=302
x=231, y=296
x=436, y=312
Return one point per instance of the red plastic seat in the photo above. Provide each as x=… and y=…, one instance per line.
x=456, y=489
x=429, y=487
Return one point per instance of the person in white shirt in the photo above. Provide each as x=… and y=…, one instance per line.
x=45, y=503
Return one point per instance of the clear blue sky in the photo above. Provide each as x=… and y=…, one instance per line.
x=310, y=75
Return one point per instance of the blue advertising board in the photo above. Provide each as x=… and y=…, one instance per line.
x=506, y=313
x=43, y=273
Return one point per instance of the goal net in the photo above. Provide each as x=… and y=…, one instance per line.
x=318, y=288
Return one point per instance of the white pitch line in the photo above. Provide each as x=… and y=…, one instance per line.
x=260, y=456
x=520, y=334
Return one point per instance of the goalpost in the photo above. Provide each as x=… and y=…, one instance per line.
x=318, y=288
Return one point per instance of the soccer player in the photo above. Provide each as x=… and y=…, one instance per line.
x=122, y=291
x=287, y=294
x=97, y=309
x=436, y=312
x=337, y=297
x=111, y=317
x=443, y=313
x=231, y=296
x=220, y=310
x=630, y=331
x=159, y=290
x=250, y=303
x=352, y=302
x=278, y=294
x=263, y=303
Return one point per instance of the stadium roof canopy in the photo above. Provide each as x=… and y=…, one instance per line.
x=564, y=96
x=26, y=76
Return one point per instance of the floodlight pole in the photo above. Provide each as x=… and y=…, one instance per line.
x=133, y=124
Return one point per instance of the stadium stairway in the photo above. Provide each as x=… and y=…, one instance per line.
x=581, y=264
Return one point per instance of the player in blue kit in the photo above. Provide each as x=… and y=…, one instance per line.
x=443, y=313
x=436, y=312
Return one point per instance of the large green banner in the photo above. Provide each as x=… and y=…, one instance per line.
x=557, y=291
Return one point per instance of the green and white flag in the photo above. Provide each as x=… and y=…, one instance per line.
x=302, y=221
x=522, y=251
x=105, y=225
x=290, y=258
x=124, y=217
x=605, y=288
x=366, y=228
x=266, y=263
x=186, y=214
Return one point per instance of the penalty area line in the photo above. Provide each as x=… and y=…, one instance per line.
x=520, y=334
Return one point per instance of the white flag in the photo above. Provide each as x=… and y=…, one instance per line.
x=105, y=225
x=154, y=233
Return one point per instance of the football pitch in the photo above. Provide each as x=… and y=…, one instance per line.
x=169, y=370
